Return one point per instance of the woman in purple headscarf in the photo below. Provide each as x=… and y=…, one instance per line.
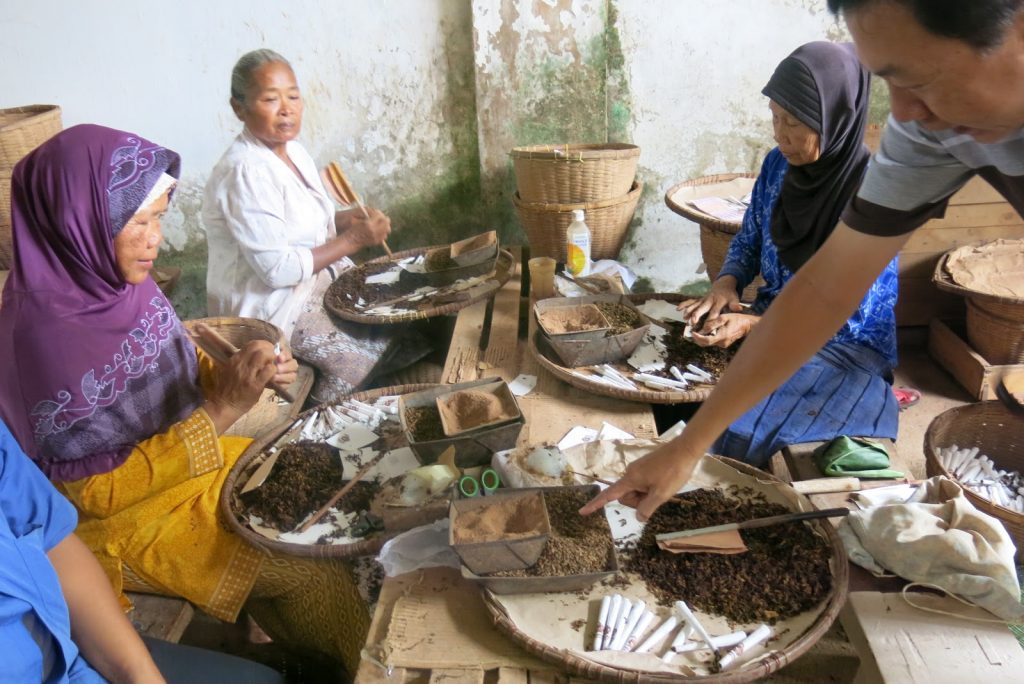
x=107, y=394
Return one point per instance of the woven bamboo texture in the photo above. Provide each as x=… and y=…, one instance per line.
x=608, y=220
x=231, y=507
x=504, y=268
x=573, y=174
x=771, y=662
x=22, y=129
x=646, y=396
x=998, y=434
x=715, y=235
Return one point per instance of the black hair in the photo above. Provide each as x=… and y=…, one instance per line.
x=979, y=23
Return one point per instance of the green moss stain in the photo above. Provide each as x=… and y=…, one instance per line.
x=618, y=105
x=696, y=288
x=189, y=293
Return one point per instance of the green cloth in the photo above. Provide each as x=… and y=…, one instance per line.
x=846, y=456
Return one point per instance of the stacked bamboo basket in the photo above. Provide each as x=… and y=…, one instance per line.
x=22, y=129
x=554, y=180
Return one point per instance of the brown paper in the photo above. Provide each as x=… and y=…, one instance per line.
x=727, y=542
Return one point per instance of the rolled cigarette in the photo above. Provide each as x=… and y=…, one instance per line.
x=645, y=621
x=696, y=370
x=630, y=624
x=602, y=623
x=620, y=623
x=756, y=637
x=692, y=377
x=677, y=374
x=659, y=633
x=723, y=641
x=685, y=632
x=692, y=620
x=614, y=611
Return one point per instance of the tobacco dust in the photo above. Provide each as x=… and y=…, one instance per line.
x=568, y=319
x=352, y=282
x=681, y=351
x=621, y=317
x=577, y=545
x=506, y=518
x=424, y=423
x=468, y=409
x=785, y=572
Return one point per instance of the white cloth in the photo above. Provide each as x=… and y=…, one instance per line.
x=262, y=223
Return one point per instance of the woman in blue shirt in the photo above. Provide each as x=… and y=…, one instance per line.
x=818, y=98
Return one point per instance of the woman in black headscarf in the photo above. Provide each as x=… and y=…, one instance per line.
x=819, y=101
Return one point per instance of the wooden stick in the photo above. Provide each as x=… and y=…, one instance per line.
x=344, y=189
x=220, y=350
x=673, y=499
x=756, y=522
x=340, y=493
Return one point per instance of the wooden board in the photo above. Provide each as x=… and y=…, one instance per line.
x=948, y=346
x=160, y=617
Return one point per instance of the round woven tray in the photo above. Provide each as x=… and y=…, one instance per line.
x=772, y=662
x=253, y=456
x=1010, y=308
x=503, y=269
x=646, y=396
x=715, y=235
x=998, y=434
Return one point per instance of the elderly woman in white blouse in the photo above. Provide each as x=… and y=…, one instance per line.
x=275, y=238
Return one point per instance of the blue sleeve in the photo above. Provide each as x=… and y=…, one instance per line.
x=27, y=499
x=743, y=260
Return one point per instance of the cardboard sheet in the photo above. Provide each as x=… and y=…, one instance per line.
x=995, y=267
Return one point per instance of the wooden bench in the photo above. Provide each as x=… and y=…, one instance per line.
x=160, y=617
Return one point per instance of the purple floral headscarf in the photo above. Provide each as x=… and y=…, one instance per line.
x=94, y=365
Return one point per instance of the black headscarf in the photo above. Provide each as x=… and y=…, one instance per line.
x=824, y=86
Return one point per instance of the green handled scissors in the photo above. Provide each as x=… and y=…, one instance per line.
x=486, y=483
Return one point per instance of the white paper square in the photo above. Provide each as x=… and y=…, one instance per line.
x=523, y=384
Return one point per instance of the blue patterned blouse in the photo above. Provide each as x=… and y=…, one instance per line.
x=873, y=324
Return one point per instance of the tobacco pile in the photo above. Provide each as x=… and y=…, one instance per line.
x=577, y=545
x=352, y=281
x=438, y=260
x=622, y=318
x=468, y=409
x=424, y=423
x=681, y=351
x=785, y=572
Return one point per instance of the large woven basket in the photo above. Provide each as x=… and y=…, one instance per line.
x=608, y=221
x=22, y=129
x=573, y=174
x=998, y=434
x=715, y=235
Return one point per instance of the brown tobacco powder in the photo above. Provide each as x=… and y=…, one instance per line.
x=572, y=319
x=785, y=572
x=469, y=408
x=504, y=519
x=577, y=545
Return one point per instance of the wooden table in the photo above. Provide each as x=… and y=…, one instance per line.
x=490, y=341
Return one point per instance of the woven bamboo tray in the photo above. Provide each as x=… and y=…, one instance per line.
x=22, y=129
x=253, y=456
x=998, y=434
x=608, y=220
x=567, y=174
x=504, y=268
x=646, y=396
x=715, y=235
x=771, y=662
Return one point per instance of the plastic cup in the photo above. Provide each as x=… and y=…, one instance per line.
x=542, y=277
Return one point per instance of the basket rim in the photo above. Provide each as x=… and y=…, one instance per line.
x=770, y=662
x=35, y=111
x=575, y=151
x=255, y=449
x=944, y=281
x=700, y=217
x=499, y=277
x=647, y=396
x=967, y=411
x=634, y=193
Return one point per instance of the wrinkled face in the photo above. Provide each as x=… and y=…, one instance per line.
x=942, y=83
x=272, y=110
x=138, y=243
x=797, y=141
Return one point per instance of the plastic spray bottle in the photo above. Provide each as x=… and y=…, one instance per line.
x=577, y=245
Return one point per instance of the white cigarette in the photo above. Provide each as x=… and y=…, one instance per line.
x=657, y=379
x=677, y=374
x=602, y=622
x=699, y=371
x=613, y=615
x=660, y=632
x=620, y=623
x=629, y=625
x=756, y=637
x=723, y=641
x=684, y=635
x=692, y=620
x=645, y=621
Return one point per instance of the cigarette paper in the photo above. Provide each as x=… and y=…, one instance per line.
x=602, y=623
x=658, y=634
x=632, y=619
x=723, y=641
x=692, y=620
x=645, y=621
x=620, y=623
x=613, y=615
x=756, y=637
